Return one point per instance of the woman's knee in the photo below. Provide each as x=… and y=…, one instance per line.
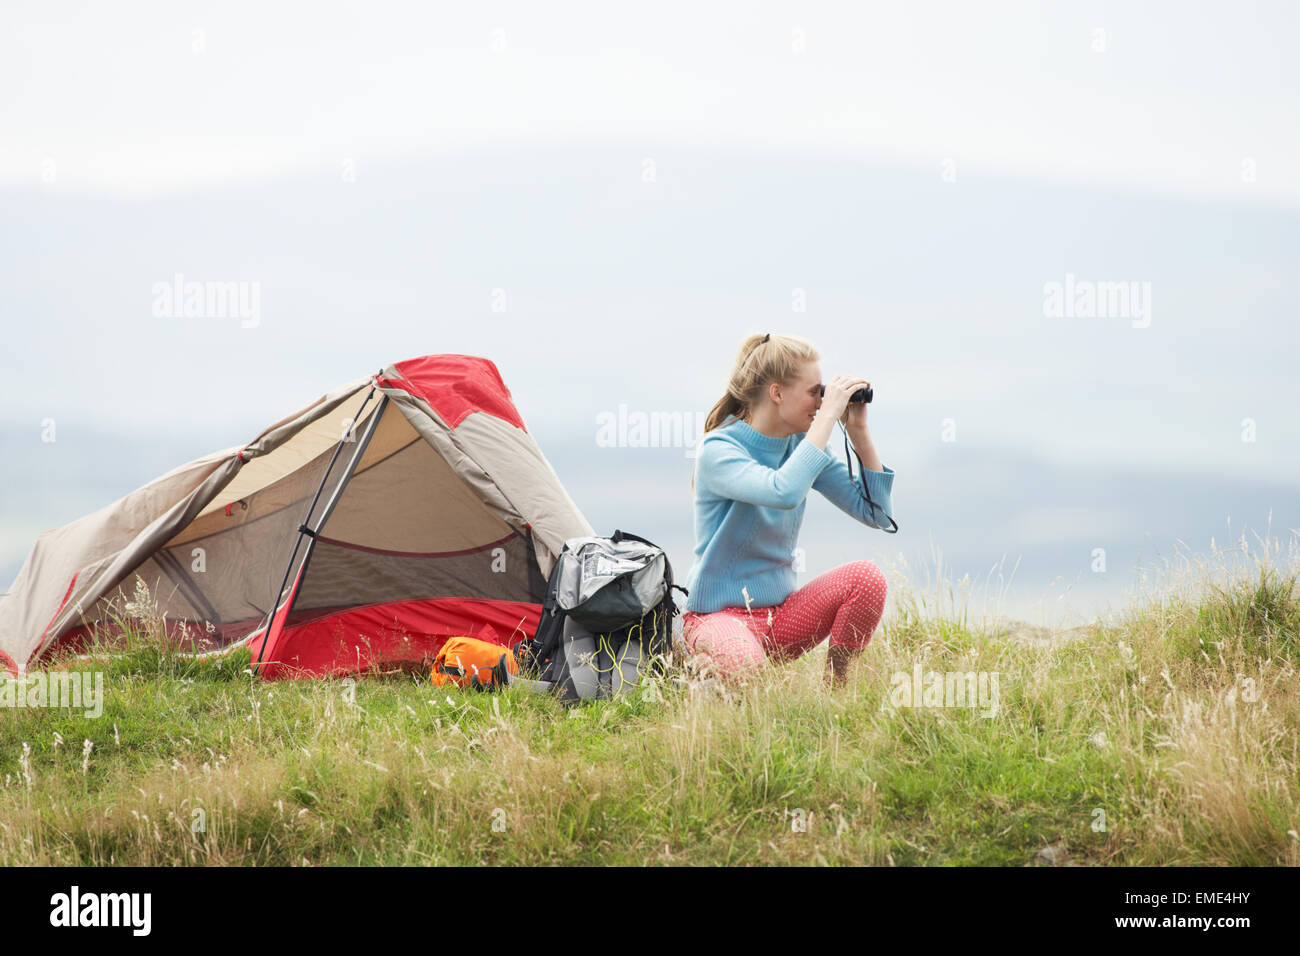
x=866, y=581
x=866, y=605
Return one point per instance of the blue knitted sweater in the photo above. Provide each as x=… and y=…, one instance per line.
x=750, y=492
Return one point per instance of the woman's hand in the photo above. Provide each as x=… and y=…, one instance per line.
x=855, y=416
x=835, y=402
x=835, y=406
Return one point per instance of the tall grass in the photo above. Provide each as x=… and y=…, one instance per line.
x=1168, y=737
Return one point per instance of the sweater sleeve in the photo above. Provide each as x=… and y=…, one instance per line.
x=845, y=491
x=725, y=469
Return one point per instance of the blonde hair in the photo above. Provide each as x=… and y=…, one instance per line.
x=763, y=359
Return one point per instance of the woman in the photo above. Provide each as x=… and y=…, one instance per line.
x=764, y=447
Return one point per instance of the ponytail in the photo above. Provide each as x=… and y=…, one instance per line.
x=763, y=359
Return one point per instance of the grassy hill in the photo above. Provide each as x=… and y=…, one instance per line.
x=1169, y=739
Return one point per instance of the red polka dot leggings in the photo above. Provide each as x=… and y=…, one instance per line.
x=846, y=602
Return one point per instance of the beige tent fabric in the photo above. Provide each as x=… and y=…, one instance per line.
x=439, y=510
x=508, y=470
x=94, y=548
x=102, y=548
x=228, y=574
x=306, y=441
x=517, y=465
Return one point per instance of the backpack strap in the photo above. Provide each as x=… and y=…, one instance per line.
x=618, y=536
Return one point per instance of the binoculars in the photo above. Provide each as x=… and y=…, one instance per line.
x=861, y=396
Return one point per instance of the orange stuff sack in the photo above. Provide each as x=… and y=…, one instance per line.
x=470, y=662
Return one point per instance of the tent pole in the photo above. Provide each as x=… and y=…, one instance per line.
x=275, y=601
x=328, y=510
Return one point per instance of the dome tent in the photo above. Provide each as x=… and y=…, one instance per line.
x=392, y=512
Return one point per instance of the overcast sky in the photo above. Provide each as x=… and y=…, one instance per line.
x=1168, y=97
x=642, y=186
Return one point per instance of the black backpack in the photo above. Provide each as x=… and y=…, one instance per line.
x=606, y=622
